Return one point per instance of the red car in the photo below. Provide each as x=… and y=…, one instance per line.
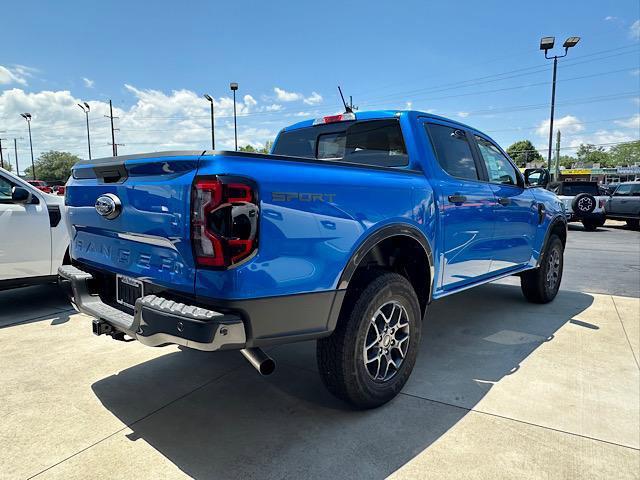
x=40, y=185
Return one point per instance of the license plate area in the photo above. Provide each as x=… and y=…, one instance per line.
x=128, y=290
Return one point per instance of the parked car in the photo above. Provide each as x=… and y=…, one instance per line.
x=583, y=202
x=35, y=240
x=344, y=233
x=624, y=204
x=41, y=185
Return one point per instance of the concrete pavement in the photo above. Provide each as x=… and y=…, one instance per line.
x=502, y=389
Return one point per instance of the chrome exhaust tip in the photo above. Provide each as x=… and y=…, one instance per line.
x=262, y=362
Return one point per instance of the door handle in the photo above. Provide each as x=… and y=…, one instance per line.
x=457, y=198
x=504, y=201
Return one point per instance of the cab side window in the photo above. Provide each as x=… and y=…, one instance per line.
x=453, y=151
x=499, y=168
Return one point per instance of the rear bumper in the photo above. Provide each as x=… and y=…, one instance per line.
x=166, y=316
x=157, y=321
x=587, y=216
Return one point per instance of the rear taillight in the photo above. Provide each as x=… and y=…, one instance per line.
x=224, y=220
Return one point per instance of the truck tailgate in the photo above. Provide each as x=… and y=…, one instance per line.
x=149, y=237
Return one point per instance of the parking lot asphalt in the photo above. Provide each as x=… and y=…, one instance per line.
x=502, y=389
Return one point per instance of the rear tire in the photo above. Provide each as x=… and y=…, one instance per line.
x=633, y=223
x=542, y=284
x=368, y=358
x=591, y=225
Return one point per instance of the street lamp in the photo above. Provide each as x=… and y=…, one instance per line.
x=27, y=117
x=546, y=44
x=234, y=87
x=213, y=138
x=85, y=108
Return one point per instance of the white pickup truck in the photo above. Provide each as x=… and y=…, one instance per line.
x=34, y=238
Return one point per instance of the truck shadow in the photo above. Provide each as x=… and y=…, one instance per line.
x=241, y=425
x=17, y=306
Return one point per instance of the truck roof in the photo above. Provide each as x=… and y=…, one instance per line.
x=378, y=114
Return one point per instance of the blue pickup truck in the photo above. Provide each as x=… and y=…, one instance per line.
x=344, y=233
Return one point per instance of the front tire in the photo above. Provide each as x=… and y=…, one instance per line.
x=542, y=284
x=633, y=223
x=368, y=358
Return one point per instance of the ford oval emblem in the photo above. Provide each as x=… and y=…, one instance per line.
x=108, y=206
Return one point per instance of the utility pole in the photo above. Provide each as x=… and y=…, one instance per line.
x=113, y=130
x=557, y=173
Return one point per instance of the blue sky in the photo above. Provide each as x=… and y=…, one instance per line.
x=475, y=61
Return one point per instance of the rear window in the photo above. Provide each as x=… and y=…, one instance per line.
x=374, y=142
x=572, y=189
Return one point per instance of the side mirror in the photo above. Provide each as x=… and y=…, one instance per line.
x=21, y=195
x=537, y=177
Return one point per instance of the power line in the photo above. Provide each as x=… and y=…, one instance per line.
x=538, y=68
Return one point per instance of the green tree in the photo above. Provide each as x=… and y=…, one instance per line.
x=252, y=149
x=523, y=152
x=53, y=165
x=625, y=154
x=589, y=154
x=7, y=166
x=567, y=161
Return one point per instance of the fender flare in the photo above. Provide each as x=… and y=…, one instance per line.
x=558, y=219
x=388, y=231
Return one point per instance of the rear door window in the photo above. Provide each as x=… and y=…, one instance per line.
x=622, y=191
x=5, y=190
x=453, y=151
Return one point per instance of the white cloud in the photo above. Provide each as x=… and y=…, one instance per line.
x=408, y=105
x=610, y=18
x=88, y=82
x=463, y=114
x=632, y=122
x=602, y=137
x=566, y=124
x=284, y=96
x=314, y=99
x=635, y=72
x=302, y=114
x=152, y=121
x=17, y=74
x=250, y=101
x=274, y=107
x=634, y=30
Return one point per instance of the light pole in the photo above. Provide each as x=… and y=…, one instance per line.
x=213, y=138
x=15, y=151
x=1, y=154
x=546, y=44
x=234, y=87
x=86, y=109
x=27, y=117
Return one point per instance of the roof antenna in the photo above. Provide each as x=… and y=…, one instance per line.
x=347, y=108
